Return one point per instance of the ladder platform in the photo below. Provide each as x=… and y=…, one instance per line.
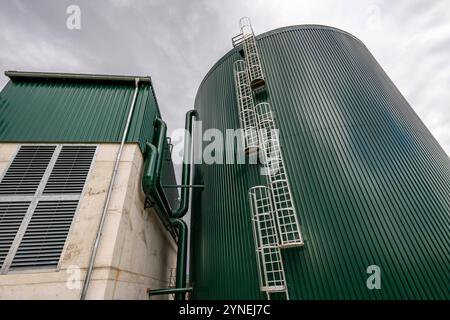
x=258, y=85
x=274, y=289
x=292, y=245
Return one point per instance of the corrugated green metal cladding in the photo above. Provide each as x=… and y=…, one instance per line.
x=79, y=108
x=71, y=109
x=371, y=185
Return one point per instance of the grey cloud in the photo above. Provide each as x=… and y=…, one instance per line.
x=176, y=42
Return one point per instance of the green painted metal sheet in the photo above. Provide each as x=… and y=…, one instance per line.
x=371, y=184
x=50, y=107
x=74, y=110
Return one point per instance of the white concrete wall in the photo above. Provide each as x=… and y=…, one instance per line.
x=135, y=251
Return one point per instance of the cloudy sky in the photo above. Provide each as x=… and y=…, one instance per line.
x=177, y=41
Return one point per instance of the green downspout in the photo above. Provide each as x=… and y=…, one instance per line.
x=186, y=172
x=180, y=281
x=151, y=183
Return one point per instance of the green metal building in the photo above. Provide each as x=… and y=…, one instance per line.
x=370, y=184
x=38, y=107
x=76, y=151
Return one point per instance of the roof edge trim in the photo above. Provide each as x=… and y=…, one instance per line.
x=75, y=76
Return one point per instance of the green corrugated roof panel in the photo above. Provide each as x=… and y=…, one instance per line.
x=371, y=185
x=74, y=108
x=79, y=108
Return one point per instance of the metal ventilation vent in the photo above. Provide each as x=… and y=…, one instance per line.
x=26, y=171
x=70, y=170
x=11, y=217
x=39, y=196
x=46, y=234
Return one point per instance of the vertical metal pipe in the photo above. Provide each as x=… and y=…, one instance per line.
x=180, y=281
x=186, y=171
x=108, y=196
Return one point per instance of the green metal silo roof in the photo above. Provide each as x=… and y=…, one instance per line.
x=57, y=107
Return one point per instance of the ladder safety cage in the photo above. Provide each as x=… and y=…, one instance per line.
x=275, y=170
x=269, y=260
x=251, y=54
x=246, y=107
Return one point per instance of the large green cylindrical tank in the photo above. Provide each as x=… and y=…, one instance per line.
x=370, y=183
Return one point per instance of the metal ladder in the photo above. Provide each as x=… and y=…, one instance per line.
x=246, y=105
x=269, y=260
x=275, y=170
x=274, y=219
x=251, y=54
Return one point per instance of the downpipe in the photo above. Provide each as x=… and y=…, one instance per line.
x=180, y=281
x=108, y=195
x=186, y=171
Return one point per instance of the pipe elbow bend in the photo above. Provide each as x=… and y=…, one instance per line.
x=162, y=124
x=179, y=223
x=192, y=113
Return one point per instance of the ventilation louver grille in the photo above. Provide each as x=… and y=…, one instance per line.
x=44, y=238
x=26, y=171
x=11, y=216
x=70, y=171
x=39, y=196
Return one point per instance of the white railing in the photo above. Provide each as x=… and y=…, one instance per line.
x=252, y=56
